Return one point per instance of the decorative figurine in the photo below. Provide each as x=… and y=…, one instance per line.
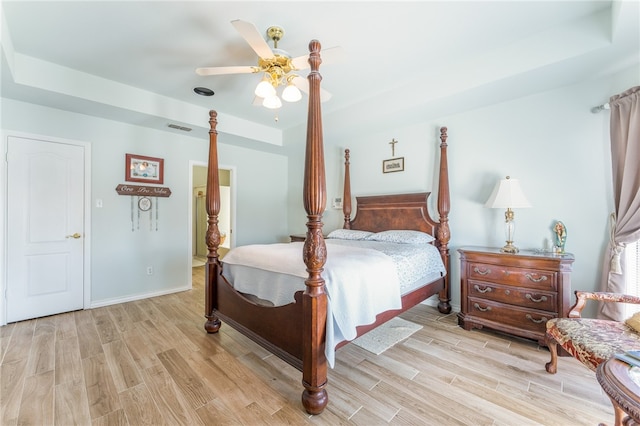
x=560, y=236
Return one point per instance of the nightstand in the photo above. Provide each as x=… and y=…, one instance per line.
x=300, y=237
x=513, y=293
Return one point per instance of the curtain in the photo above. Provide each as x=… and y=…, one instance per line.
x=625, y=221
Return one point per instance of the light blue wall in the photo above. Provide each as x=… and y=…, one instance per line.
x=119, y=256
x=551, y=141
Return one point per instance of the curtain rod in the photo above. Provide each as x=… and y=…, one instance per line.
x=597, y=109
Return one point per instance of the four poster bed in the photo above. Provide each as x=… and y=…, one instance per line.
x=302, y=332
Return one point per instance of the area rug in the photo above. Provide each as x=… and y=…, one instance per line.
x=385, y=336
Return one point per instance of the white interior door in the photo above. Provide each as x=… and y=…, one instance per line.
x=45, y=235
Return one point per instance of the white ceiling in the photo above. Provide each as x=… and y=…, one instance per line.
x=403, y=60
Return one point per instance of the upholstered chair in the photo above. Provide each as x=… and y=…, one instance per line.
x=592, y=341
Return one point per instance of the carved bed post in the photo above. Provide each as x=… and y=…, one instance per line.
x=443, y=233
x=346, y=195
x=213, y=234
x=314, y=299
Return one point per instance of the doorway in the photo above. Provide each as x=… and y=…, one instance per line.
x=225, y=218
x=47, y=227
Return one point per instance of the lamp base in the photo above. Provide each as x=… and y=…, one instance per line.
x=509, y=248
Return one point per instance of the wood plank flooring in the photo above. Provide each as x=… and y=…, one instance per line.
x=151, y=362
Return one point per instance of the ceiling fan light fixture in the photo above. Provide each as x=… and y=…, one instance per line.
x=276, y=67
x=272, y=102
x=265, y=89
x=291, y=93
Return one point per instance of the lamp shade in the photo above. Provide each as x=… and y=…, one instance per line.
x=507, y=194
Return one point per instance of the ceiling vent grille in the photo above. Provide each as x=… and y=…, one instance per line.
x=175, y=126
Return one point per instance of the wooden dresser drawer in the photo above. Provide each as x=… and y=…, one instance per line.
x=526, y=297
x=531, y=278
x=510, y=315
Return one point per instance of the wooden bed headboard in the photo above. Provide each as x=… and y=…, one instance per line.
x=398, y=211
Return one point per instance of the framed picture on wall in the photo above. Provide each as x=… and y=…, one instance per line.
x=139, y=168
x=393, y=165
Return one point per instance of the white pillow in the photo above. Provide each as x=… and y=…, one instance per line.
x=402, y=236
x=349, y=234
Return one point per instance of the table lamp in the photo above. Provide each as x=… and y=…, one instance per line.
x=508, y=194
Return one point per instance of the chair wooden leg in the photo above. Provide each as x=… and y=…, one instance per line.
x=552, y=366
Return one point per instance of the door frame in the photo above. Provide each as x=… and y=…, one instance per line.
x=232, y=219
x=4, y=145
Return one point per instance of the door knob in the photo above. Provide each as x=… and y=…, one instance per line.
x=76, y=236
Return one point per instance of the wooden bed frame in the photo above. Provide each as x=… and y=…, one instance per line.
x=296, y=332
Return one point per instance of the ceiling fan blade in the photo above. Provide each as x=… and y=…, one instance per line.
x=329, y=56
x=303, y=84
x=250, y=33
x=300, y=62
x=245, y=69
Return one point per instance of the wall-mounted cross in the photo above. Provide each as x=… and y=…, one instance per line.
x=393, y=146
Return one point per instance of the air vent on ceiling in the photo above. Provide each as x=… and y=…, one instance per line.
x=175, y=126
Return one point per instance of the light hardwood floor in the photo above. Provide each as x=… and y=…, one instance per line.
x=150, y=362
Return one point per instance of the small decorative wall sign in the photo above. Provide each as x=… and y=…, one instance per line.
x=139, y=168
x=149, y=191
x=393, y=165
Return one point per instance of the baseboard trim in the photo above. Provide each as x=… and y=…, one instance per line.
x=115, y=301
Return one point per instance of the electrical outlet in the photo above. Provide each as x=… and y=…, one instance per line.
x=149, y=270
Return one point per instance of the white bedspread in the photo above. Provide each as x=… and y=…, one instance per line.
x=360, y=283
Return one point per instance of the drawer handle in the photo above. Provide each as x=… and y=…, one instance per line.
x=481, y=309
x=541, y=320
x=481, y=272
x=482, y=290
x=536, y=280
x=542, y=298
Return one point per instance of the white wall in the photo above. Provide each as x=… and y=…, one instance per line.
x=550, y=141
x=119, y=255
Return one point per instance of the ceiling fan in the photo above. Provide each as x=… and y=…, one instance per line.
x=277, y=65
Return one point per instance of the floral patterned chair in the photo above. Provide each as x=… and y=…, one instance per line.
x=592, y=341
